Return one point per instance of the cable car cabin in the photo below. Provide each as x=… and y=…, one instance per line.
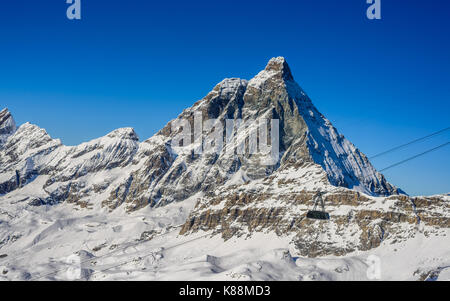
x=321, y=215
x=314, y=214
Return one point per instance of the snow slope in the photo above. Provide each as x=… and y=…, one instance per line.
x=145, y=245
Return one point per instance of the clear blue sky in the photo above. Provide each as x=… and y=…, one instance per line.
x=139, y=63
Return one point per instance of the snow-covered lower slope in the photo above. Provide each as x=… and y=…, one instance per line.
x=63, y=243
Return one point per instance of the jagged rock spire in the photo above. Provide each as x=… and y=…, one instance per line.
x=279, y=64
x=7, y=123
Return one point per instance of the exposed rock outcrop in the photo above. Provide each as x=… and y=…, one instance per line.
x=7, y=125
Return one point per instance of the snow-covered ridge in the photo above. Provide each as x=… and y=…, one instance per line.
x=124, y=133
x=276, y=67
x=30, y=154
x=345, y=164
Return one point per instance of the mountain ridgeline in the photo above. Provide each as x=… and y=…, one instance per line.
x=155, y=170
x=236, y=195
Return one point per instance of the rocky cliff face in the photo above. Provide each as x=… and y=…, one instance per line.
x=358, y=222
x=305, y=137
x=240, y=195
x=7, y=125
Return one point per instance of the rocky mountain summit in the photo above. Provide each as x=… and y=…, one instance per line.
x=235, y=194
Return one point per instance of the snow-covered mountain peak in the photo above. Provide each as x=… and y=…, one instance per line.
x=276, y=73
x=279, y=65
x=29, y=136
x=306, y=135
x=124, y=133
